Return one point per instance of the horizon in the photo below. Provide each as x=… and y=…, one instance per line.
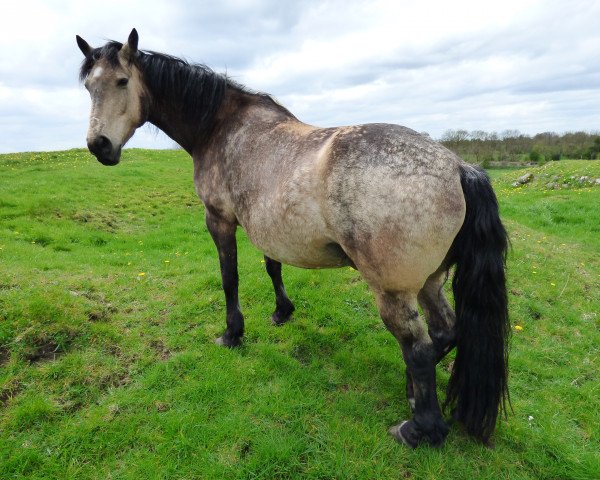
x=175, y=146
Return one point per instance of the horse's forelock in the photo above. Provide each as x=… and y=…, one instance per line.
x=109, y=52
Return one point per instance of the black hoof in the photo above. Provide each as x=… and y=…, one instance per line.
x=227, y=341
x=405, y=433
x=282, y=315
x=410, y=434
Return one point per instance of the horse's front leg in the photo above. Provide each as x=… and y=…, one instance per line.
x=223, y=234
x=283, y=305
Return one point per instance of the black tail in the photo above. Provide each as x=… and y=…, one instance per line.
x=478, y=387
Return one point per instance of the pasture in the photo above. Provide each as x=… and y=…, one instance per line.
x=110, y=299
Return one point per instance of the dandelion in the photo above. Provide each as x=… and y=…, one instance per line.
x=141, y=274
x=167, y=261
x=518, y=328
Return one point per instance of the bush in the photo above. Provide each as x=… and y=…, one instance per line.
x=535, y=155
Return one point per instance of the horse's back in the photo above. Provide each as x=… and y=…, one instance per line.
x=395, y=200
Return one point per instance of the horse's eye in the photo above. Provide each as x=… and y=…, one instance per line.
x=122, y=82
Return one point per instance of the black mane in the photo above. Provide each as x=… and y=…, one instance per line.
x=195, y=88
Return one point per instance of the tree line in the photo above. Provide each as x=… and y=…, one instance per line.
x=513, y=146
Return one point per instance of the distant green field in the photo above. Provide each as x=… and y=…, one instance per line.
x=110, y=299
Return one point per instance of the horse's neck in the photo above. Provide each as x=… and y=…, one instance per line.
x=238, y=109
x=168, y=118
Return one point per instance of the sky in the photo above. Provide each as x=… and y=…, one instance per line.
x=430, y=65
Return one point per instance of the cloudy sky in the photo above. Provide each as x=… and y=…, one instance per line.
x=429, y=65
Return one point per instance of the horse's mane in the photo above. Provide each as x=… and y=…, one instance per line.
x=195, y=87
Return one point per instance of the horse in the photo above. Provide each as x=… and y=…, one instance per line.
x=389, y=202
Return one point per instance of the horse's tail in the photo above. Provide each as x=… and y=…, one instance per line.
x=478, y=388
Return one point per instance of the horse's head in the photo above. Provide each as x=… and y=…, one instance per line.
x=117, y=91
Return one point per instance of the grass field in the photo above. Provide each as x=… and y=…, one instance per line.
x=110, y=299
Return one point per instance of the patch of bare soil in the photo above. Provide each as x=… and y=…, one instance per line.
x=4, y=355
x=162, y=352
x=8, y=391
x=43, y=350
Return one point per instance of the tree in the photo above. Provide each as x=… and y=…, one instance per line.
x=511, y=145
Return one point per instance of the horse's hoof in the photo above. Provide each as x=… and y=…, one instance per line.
x=489, y=444
x=280, y=317
x=228, y=342
x=403, y=434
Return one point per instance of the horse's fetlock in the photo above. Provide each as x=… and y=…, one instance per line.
x=432, y=428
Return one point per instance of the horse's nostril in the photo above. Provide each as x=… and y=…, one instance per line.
x=100, y=146
x=103, y=141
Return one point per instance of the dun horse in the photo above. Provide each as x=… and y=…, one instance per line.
x=395, y=205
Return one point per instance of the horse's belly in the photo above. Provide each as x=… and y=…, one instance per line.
x=294, y=238
x=304, y=255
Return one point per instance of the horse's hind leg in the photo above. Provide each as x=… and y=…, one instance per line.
x=283, y=305
x=440, y=320
x=399, y=313
x=440, y=315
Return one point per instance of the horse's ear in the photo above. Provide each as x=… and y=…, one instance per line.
x=83, y=46
x=130, y=48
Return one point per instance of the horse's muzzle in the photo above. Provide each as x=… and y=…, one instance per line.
x=102, y=148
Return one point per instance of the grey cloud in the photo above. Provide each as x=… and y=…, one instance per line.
x=535, y=71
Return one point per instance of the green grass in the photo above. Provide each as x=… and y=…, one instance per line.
x=110, y=298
